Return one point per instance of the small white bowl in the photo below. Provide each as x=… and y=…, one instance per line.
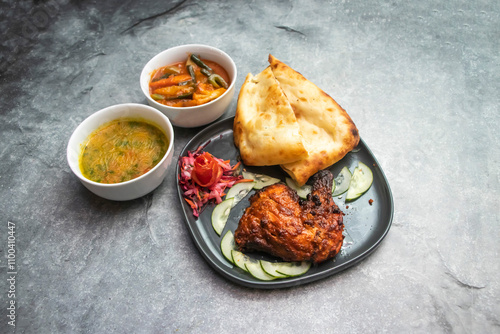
x=189, y=117
x=134, y=188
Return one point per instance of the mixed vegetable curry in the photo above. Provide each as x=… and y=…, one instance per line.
x=190, y=83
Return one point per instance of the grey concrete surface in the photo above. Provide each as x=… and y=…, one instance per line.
x=421, y=80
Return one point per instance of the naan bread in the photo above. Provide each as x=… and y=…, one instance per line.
x=328, y=132
x=265, y=129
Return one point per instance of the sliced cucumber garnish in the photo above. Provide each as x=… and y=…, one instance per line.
x=361, y=181
x=239, y=259
x=220, y=215
x=292, y=269
x=301, y=191
x=227, y=245
x=239, y=191
x=342, y=182
x=255, y=269
x=261, y=180
x=271, y=268
x=260, y=269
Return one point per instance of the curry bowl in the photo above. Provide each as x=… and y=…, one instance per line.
x=197, y=115
x=144, y=181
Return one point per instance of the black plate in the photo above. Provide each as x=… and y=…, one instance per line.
x=365, y=224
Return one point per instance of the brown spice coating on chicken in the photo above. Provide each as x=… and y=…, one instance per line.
x=278, y=222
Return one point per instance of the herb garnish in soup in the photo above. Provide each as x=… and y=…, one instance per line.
x=188, y=83
x=122, y=150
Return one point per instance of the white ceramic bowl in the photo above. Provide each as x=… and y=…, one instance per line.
x=189, y=117
x=134, y=188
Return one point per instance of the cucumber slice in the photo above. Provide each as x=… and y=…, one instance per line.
x=255, y=269
x=361, y=181
x=239, y=191
x=248, y=175
x=271, y=268
x=342, y=182
x=239, y=259
x=292, y=269
x=220, y=215
x=227, y=245
x=260, y=179
x=301, y=191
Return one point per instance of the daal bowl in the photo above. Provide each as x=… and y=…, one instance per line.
x=134, y=188
x=190, y=117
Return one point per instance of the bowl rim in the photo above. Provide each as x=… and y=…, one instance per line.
x=187, y=46
x=104, y=111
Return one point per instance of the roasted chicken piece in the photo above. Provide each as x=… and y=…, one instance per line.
x=278, y=222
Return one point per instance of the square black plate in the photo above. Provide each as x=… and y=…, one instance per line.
x=366, y=224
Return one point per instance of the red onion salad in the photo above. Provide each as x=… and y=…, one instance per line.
x=204, y=178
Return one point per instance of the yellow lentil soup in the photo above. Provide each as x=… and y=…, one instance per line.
x=122, y=150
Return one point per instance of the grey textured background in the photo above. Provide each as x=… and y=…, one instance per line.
x=421, y=81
